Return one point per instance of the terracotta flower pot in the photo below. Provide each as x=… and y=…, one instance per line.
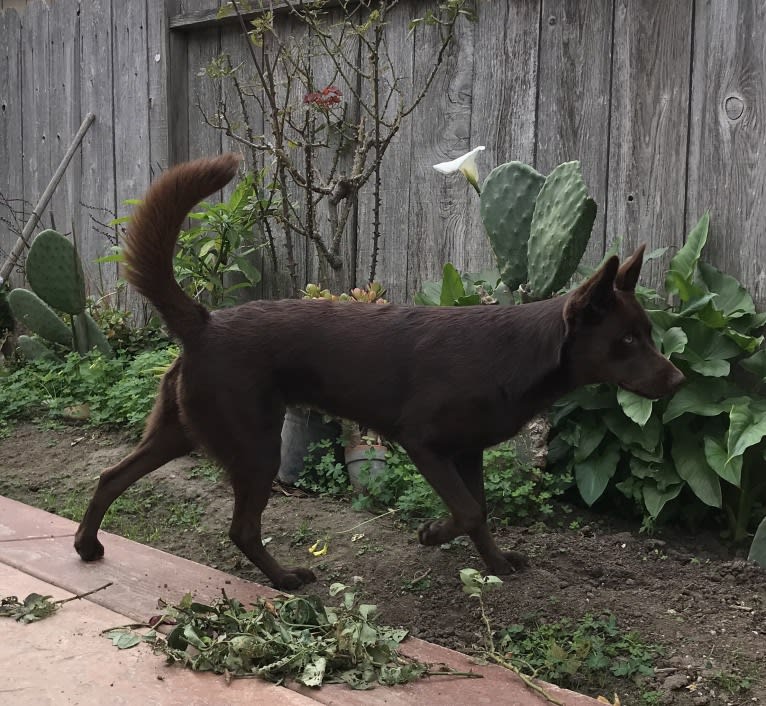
x=364, y=462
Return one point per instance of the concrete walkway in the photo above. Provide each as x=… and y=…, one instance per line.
x=64, y=659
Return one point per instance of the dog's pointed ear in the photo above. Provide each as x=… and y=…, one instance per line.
x=627, y=275
x=593, y=298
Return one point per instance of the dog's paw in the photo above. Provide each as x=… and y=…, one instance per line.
x=517, y=560
x=436, y=532
x=508, y=563
x=293, y=578
x=89, y=549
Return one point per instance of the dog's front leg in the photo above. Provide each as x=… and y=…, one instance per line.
x=460, y=484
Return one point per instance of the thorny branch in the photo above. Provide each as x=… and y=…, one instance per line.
x=325, y=140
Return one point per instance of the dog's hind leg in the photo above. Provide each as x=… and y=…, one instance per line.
x=163, y=440
x=469, y=467
x=249, y=448
x=460, y=484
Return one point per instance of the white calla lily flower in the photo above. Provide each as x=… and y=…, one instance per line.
x=465, y=164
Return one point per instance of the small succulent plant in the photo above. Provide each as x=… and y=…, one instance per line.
x=373, y=293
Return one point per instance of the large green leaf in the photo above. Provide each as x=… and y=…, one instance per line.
x=689, y=458
x=749, y=344
x=747, y=426
x=594, y=474
x=732, y=298
x=591, y=397
x=699, y=303
x=758, y=547
x=630, y=434
x=713, y=368
x=699, y=396
x=706, y=343
x=756, y=364
x=718, y=459
x=592, y=433
x=684, y=289
x=674, y=340
x=656, y=499
x=452, y=286
x=684, y=263
x=637, y=408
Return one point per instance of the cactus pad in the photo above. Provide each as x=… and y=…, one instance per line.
x=88, y=335
x=32, y=349
x=560, y=229
x=37, y=316
x=507, y=207
x=55, y=273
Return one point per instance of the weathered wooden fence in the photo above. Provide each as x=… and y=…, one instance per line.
x=663, y=102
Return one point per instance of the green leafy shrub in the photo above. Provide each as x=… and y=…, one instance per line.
x=322, y=472
x=464, y=289
x=709, y=437
x=215, y=257
x=123, y=337
x=512, y=490
x=118, y=391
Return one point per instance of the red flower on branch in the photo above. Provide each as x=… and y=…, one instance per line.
x=326, y=98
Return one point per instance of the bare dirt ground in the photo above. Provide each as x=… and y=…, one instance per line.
x=690, y=594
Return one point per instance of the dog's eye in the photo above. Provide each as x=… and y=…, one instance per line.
x=628, y=338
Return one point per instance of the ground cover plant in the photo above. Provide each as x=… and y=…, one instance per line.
x=516, y=491
x=117, y=391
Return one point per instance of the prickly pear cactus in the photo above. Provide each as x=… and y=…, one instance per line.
x=55, y=273
x=507, y=206
x=32, y=349
x=37, y=316
x=560, y=229
x=88, y=335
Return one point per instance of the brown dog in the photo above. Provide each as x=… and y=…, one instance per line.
x=445, y=383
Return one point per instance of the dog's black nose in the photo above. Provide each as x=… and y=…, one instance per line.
x=677, y=378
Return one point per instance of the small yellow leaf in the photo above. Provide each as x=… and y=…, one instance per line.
x=604, y=700
x=316, y=551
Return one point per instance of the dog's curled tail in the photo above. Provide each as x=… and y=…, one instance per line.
x=153, y=231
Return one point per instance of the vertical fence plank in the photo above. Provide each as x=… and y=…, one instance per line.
x=204, y=93
x=177, y=89
x=158, y=67
x=11, y=116
x=132, y=148
x=727, y=155
x=391, y=268
x=648, y=142
x=65, y=114
x=35, y=105
x=574, y=90
x=98, y=170
x=441, y=131
x=503, y=105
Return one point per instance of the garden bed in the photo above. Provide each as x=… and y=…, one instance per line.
x=688, y=594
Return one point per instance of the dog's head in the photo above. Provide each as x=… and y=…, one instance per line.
x=609, y=335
